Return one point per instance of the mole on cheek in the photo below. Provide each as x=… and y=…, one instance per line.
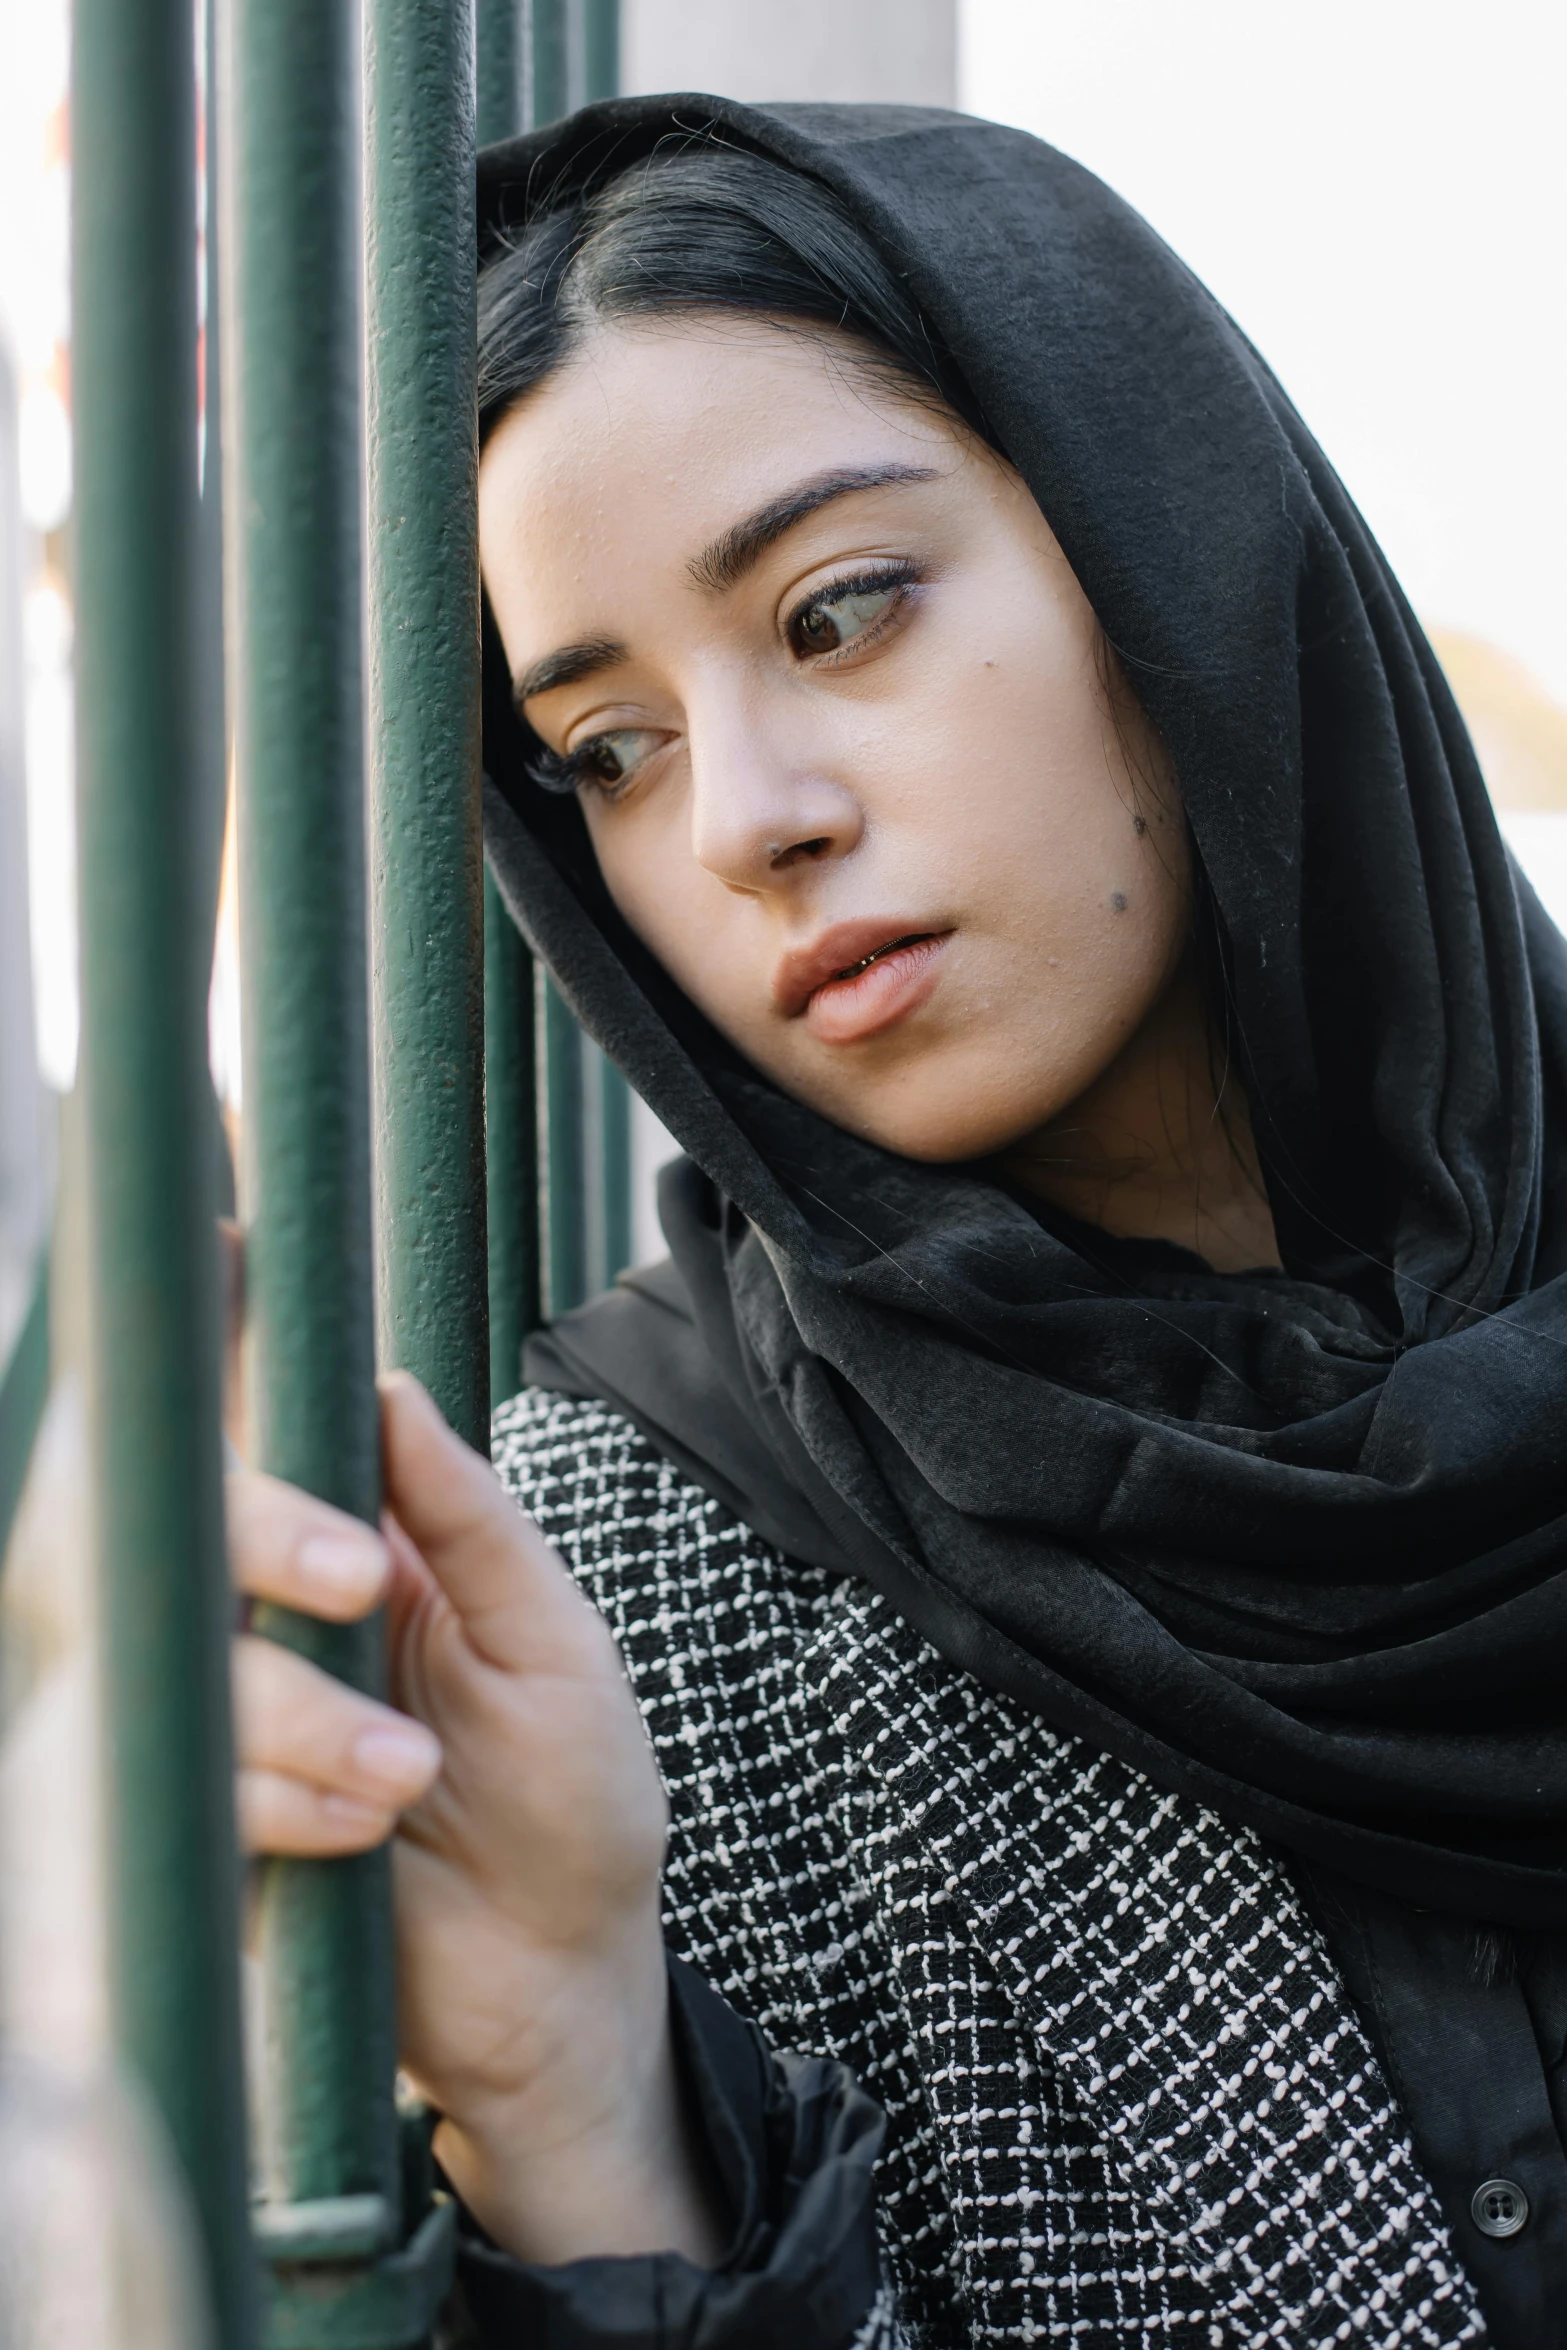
x=1139, y=825
x=1118, y=901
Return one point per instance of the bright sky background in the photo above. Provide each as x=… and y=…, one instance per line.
x=1377, y=190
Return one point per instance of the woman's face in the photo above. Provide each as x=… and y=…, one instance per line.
x=842, y=728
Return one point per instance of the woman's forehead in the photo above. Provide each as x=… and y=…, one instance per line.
x=655, y=447
x=690, y=414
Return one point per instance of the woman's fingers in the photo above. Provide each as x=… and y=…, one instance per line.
x=287, y=1546
x=286, y=1816
x=321, y=1767
x=518, y=1605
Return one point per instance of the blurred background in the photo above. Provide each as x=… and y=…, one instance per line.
x=1375, y=188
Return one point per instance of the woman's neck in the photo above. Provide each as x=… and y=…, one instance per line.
x=1151, y=1151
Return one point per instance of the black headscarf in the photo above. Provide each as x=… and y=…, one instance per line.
x=1291, y=1542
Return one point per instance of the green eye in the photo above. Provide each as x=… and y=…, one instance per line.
x=844, y=613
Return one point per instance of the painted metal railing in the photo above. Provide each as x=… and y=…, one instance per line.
x=559, y=1113
x=350, y=606
x=293, y=434
x=164, y=1600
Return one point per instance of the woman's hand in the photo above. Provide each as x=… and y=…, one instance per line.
x=530, y=1831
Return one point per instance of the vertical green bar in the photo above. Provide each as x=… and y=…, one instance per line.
x=610, y=1177
x=511, y=1117
x=427, y=869
x=24, y=1391
x=146, y=951
x=512, y=1143
x=209, y=617
x=615, y=1170
x=211, y=652
x=292, y=381
x=549, y=65
x=600, y=49
x=605, y=1163
x=563, y=1154
x=584, y=1108
x=499, y=93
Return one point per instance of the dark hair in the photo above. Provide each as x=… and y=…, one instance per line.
x=700, y=226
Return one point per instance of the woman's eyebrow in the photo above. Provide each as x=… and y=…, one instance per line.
x=721, y=563
x=730, y=556
x=565, y=665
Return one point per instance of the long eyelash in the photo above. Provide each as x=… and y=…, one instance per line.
x=553, y=771
x=892, y=573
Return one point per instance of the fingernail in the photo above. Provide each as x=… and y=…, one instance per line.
x=348, y=1563
x=398, y=1756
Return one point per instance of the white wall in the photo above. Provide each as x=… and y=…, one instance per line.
x=903, y=50
x=1377, y=189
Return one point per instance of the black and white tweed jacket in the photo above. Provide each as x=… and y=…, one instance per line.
x=1128, y=2099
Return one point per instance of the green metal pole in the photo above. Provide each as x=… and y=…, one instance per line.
x=511, y=1119
x=615, y=1170
x=549, y=60
x=146, y=952
x=426, y=823
x=24, y=1391
x=563, y=1153
x=209, y=618
x=604, y=1163
x=600, y=49
x=499, y=76
x=583, y=1130
x=211, y=648
x=512, y=1139
x=291, y=78
x=611, y=1175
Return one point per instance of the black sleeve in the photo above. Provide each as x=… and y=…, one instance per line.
x=793, y=2141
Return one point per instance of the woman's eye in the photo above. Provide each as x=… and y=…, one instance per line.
x=838, y=618
x=612, y=759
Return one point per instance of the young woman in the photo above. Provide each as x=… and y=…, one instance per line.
x=1080, y=1516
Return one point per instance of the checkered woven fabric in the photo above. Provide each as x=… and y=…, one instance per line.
x=1128, y=2100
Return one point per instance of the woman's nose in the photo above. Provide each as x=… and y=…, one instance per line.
x=762, y=811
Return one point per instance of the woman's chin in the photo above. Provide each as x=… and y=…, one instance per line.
x=937, y=1122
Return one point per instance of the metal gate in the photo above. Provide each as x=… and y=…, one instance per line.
x=280, y=460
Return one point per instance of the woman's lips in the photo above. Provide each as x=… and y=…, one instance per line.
x=860, y=978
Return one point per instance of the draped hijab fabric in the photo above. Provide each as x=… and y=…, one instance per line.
x=1292, y=1542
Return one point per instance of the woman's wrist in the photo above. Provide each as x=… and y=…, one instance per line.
x=597, y=2156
